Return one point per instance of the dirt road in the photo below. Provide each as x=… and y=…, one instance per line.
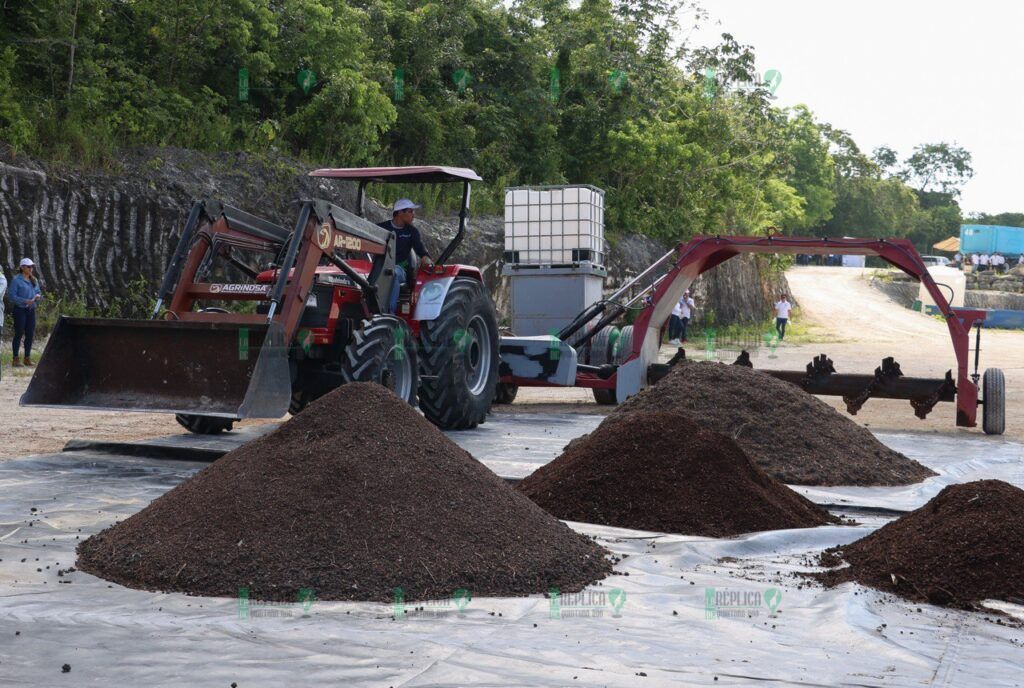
x=859, y=324
x=865, y=326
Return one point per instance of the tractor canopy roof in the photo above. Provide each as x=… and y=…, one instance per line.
x=429, y=174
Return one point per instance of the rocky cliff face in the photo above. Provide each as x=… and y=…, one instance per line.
x=93, y=234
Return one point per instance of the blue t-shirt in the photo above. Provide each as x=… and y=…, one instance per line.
x=408, y=239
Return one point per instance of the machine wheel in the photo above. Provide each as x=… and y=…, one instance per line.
x=605, y=397
x=204, y=425
x=384, y=352
x=298, y=402
x=505, y=393
x=459, y=352
x=993, y=420
x=602, y=346
x=624, y=345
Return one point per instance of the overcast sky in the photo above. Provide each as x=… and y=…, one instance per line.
x=899, y=73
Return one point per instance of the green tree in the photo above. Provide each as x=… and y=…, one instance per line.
x=938, y=167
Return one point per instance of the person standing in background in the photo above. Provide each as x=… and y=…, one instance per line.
x=782, y=309
x=957, y=260
x=983, y=262
x=975, y=261
x=686, y=307
x=25, y=294
x=674, y=323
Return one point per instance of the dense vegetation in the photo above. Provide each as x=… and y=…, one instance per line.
x=532, y=91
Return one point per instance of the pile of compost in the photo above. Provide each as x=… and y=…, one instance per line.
x=963, y=546
x=661, y=471
x=795, y=437
x=356, y=496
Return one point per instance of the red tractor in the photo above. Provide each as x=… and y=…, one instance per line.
x=313, y=315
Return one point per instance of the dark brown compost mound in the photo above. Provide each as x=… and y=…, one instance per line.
x=795, y=437
x=963, y=546
x=356, y=496
x=661, y=471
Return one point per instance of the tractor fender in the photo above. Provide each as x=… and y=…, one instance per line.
x=431, y=298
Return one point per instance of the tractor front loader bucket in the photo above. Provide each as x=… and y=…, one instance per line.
x=205, y=368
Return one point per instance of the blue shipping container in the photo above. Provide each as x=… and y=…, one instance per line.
x=1008, y=241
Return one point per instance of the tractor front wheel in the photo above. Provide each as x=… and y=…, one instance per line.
x=459, y=358
x=383, y=352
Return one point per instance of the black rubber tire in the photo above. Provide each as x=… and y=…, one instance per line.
x=505, y=393
x=204, y=425
x=602, y=344
x=605, y=397
x=993, y=417
x=463, y=377
x=383, y=351
x=624, y=345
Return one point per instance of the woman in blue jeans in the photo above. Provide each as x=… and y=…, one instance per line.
x=24, y=294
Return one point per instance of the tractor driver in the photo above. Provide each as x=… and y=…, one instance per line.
x=407, y=240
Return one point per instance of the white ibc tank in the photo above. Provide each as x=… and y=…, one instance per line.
x=948, y=279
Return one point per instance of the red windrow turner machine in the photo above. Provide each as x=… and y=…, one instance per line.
x=618, y=363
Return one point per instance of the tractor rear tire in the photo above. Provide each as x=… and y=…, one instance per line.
x=993, y=419
x=204, y=425
x=605, y=397
x=383, y=351
x=505, y=393
x=459, y=358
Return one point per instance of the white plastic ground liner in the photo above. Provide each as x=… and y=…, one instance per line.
x=680, y=611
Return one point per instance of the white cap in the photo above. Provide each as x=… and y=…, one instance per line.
x=403, y=204
x=26, y=261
